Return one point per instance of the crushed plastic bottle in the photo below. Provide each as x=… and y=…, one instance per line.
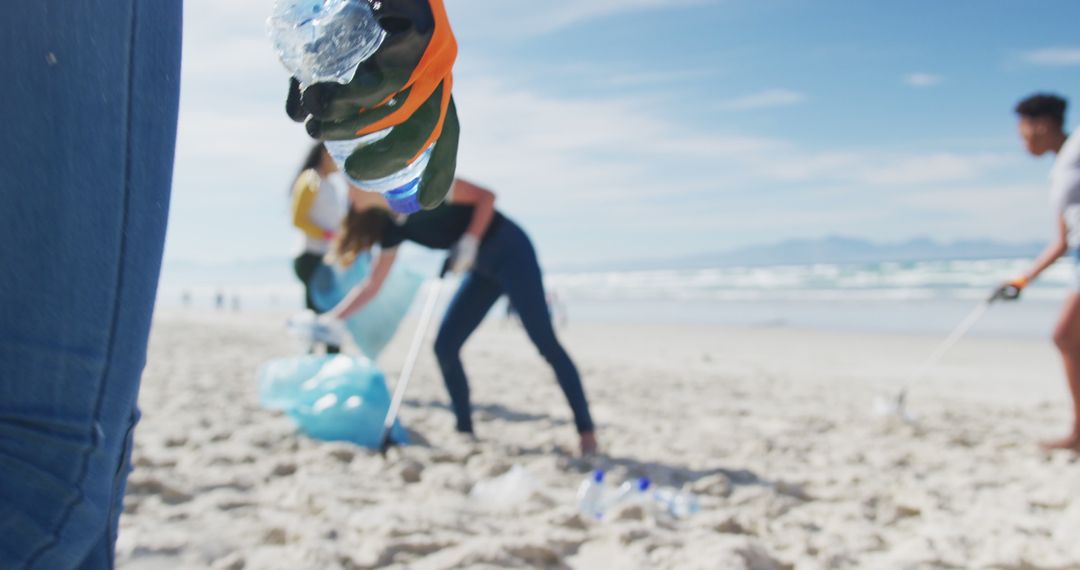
x=595, y=500
x=322, y=41
x=679, y=504
x=591, y=495
x=505, y=491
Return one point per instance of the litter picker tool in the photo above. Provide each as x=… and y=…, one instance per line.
x=413, y=355
x=896, y=406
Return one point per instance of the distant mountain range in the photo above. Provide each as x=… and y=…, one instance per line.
x=832, y=249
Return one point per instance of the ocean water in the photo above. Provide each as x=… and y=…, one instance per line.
x=901, y=297
x=927, y=297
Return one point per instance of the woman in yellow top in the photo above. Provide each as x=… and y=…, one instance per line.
x=319, y=205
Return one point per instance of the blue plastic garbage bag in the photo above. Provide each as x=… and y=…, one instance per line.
x=280, y=380
x=346, y=399
x=374, y=326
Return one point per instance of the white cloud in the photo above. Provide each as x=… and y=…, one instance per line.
x=1060, y=56
x=973, y=210
x=613, y=165
x=762, y=100
x=590, y=151
x=923, y=79
x=876, y=168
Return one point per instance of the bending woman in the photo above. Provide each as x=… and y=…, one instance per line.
x=497, y=258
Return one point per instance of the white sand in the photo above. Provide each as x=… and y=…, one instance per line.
x=774, y=429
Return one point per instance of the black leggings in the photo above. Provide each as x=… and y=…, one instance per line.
x=305, y=267
x=505, y=265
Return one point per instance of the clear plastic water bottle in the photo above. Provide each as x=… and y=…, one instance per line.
x=631, y=492
x=322, y=41
x=400, y=188
x=679, y=504
x=591, y=495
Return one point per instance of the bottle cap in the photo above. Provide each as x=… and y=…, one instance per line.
x=406, y=199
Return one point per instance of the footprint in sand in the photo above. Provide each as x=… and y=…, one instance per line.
x=283, y=470
x=411, y=471
x=406, y=551
x=176, y=441
x=713, y=486
x=234, y=561
x=536, y=555
x=153, y=486
x=275, y=536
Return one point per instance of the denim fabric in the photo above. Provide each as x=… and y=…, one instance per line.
x=88, y=115
x=506, y=263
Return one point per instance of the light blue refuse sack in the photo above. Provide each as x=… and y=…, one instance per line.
x=373, y=326
x=332, y=398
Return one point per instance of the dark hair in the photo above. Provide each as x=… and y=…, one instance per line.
x=1043, y=106
x=314, y=157
x=360, y=232
x=311, y=160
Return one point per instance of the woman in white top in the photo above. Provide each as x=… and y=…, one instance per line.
x=319, y=205
x=1042, y=122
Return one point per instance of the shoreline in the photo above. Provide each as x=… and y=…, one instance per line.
x=1027, y=320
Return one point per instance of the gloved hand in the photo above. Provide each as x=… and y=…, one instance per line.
x=318, y=328
x=406, y=84
x=463, y=255
x=1010, y=290
x=329, y=330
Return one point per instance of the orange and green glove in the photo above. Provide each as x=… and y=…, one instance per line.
x=406, y=85
x=1010, y=290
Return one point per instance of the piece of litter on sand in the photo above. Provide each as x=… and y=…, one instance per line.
x=505, y=491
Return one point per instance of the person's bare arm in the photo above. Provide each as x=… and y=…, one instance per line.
x=363, y=293
x=483, y=202
x=1057, y=248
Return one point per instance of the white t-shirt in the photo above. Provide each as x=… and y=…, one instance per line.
x=1065, y=188
x=328, y=211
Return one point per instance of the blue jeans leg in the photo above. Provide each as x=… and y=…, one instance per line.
x=466, y=311
x=89, y=120
x=102, y=554
x=519, y=275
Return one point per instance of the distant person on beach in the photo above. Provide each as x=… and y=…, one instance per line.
x=89, y=114
x=319, y=205
x=1042, y=127
x=495, y=256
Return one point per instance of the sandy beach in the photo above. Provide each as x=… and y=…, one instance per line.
x=773, y=428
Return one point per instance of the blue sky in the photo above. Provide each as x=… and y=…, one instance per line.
x=623, y=129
